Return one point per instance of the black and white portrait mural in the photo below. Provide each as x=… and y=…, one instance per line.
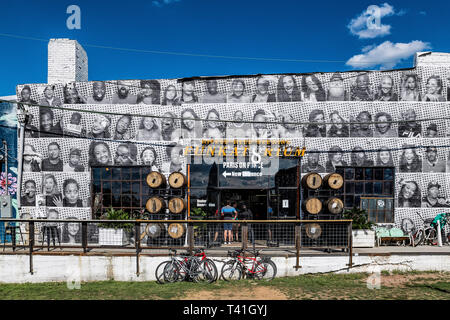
x=376, y=118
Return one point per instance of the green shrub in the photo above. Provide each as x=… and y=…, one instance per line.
x=113, y=214
x=360, y=219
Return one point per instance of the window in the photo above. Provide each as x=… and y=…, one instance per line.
x=121, y=187
x=370, y=188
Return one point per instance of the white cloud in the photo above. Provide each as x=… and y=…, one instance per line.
x=367, y=25
x=386, y=55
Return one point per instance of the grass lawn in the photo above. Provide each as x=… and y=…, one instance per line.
x=396, y=285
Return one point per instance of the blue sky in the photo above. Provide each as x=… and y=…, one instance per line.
x=283, y=29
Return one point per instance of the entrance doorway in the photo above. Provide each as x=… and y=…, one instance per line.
x=255, y=200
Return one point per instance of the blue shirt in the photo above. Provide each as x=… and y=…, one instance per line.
x=228, y=211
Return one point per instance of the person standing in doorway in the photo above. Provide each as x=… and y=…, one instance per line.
x=228, y=213
x=247, y=214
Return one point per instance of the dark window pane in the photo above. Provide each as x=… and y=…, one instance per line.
x=126, y=201
x=357, y=201
x=378, y=188
x=116, y=187
x=381, y=216
x=116, y=173
x=372, y=204
x=349, y=201
x=340, y=170
x=106, y=173
x=135, y=201
x=388, y=174
x=359, y=174
x=96, y=186
x=96, y=173
x=368, y=174
x=350, y=187
x=126, y=187
x=145, y=189
x=135, y=174
x=106, y=200
x=349, y=173
x=106, y=187
x=388, y=187
x=116, y=200
x=126, y=175
x=378, y=174
x=369, y=188
x=136, y=187
x=372, y=217
x=359, y=187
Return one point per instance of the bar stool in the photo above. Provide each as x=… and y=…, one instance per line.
x=11, y=230
x=50, y=230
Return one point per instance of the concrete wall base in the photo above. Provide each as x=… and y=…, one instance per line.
x=79, y=268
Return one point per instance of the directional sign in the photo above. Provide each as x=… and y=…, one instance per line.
x=241, y=174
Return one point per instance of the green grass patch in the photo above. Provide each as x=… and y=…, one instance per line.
x=311, y=287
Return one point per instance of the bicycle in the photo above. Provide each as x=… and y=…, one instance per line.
x=196, y=268
x=424, y=234
x=253, y=267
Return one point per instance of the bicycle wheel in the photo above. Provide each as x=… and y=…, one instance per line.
x=208, y=271
x=431, y=236
x=417, y=237
x=172, y=272
x=266, y=270
x=231, y=270
x=159, y=273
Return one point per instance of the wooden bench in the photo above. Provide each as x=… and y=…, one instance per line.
x=387, y=239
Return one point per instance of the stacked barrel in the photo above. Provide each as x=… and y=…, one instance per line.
x=322, y=200
x=166, y=202
x=322, y=197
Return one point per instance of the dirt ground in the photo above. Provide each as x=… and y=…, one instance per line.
x=267, y=292
x=259, y=293
x=398, y=280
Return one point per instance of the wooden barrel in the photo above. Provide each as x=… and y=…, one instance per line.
x=155, y=204
x=312, y=205
x=175, y=230
x=177, y=205
x=334, y=205
x=333, y=180
x=312, y=181
x=154, y=230
x=313, y=230
x=156, y=180
x=177, y=180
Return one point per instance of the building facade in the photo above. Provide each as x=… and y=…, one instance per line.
x=128, y=128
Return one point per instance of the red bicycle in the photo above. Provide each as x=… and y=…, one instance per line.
x=253, y=266
x=196, y=267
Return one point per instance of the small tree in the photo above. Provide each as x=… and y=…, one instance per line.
x=359, y=217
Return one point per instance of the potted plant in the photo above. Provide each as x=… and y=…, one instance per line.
x=114, y=233
x=363, y=236
x=199, y=229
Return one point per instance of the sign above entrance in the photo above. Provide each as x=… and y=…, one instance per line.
x=241, y=169
x=242, y=174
